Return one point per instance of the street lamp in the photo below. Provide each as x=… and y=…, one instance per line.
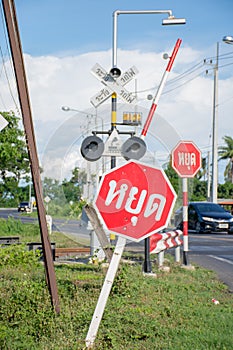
x=115, y=72
x=228, y=39
x=69, y=109
x=95, y=116
x=170, y=20
x=214, y=190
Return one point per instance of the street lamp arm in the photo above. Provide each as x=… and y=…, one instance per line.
x=170, y=20
x=68, y=109
x=118, y=12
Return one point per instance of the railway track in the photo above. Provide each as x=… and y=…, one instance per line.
x=61, y=252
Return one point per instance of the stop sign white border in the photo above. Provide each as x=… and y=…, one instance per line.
x=198, y=154
x=152, y=232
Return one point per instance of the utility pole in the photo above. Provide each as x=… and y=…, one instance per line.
x=214, y=189
x=17, y=57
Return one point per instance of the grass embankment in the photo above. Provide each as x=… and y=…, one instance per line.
x=173, y=311
x=30, y=233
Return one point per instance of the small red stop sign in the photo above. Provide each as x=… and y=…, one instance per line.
x=135, y=200
x=186, y=159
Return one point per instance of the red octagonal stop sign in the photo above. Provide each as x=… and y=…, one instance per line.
x=186, y=159
x=135, y=200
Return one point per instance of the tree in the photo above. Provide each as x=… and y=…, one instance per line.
x=203, y=171
x=73, y=189
x=66, y=197
x=197, y=189
x=225, y=190
x=14, y=162
x=226, y=152
x=173, y=176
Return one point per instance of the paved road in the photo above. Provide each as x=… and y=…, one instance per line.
x=75, y=228
x=214, y=252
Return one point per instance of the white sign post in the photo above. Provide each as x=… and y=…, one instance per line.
x=47, y=199
x=186, y=161
x=105, y=291
x=113, y=85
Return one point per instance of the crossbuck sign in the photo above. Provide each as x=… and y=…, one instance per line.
x=112, y=85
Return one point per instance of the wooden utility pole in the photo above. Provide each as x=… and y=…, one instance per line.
x=17, y=57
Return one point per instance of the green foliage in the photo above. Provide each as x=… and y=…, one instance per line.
x=52, y=189
x=226, y=152
x=13, y=227
x=203, y=171
x=10, y=226
x=76, y=208
x=199, y=190
x=66, y=199
x=74, y=187
x=225, y=190
x=173, y=177
x=57, y=210
x=173, y=311
x=13, y=159
x=18, y=255
x=122, y=284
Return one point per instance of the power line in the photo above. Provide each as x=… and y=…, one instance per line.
x=184, y=83
x=7, y=79
x=199, y=66
x=220, y=57
x=4, y=65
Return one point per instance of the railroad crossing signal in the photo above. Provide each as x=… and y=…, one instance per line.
x=186, y=159
x=112, y=84
x=135, y=200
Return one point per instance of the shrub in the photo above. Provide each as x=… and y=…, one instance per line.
x=18, y=255
x=11, y=226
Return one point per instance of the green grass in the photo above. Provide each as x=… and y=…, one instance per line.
x=31, y=233
x=173, y=311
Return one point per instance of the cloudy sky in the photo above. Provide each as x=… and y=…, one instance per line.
x=63, y=40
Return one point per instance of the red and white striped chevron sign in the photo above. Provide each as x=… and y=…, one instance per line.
x=163, y=241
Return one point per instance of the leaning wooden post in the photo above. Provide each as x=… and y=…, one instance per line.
x=100, y=233
x=17, y=57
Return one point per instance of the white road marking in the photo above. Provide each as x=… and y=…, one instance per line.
x=221, y=259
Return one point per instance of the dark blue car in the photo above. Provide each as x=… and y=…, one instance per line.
x=206, y=217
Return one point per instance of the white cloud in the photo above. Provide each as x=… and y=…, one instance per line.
x=57, y=81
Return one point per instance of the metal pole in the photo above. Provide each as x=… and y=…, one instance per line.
x=185, y=220
x=214, y=192
x=115, y=16
x=17, y=57
x=147, y=263
x=113, y=123
x=208, y=177
x=113, y=158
